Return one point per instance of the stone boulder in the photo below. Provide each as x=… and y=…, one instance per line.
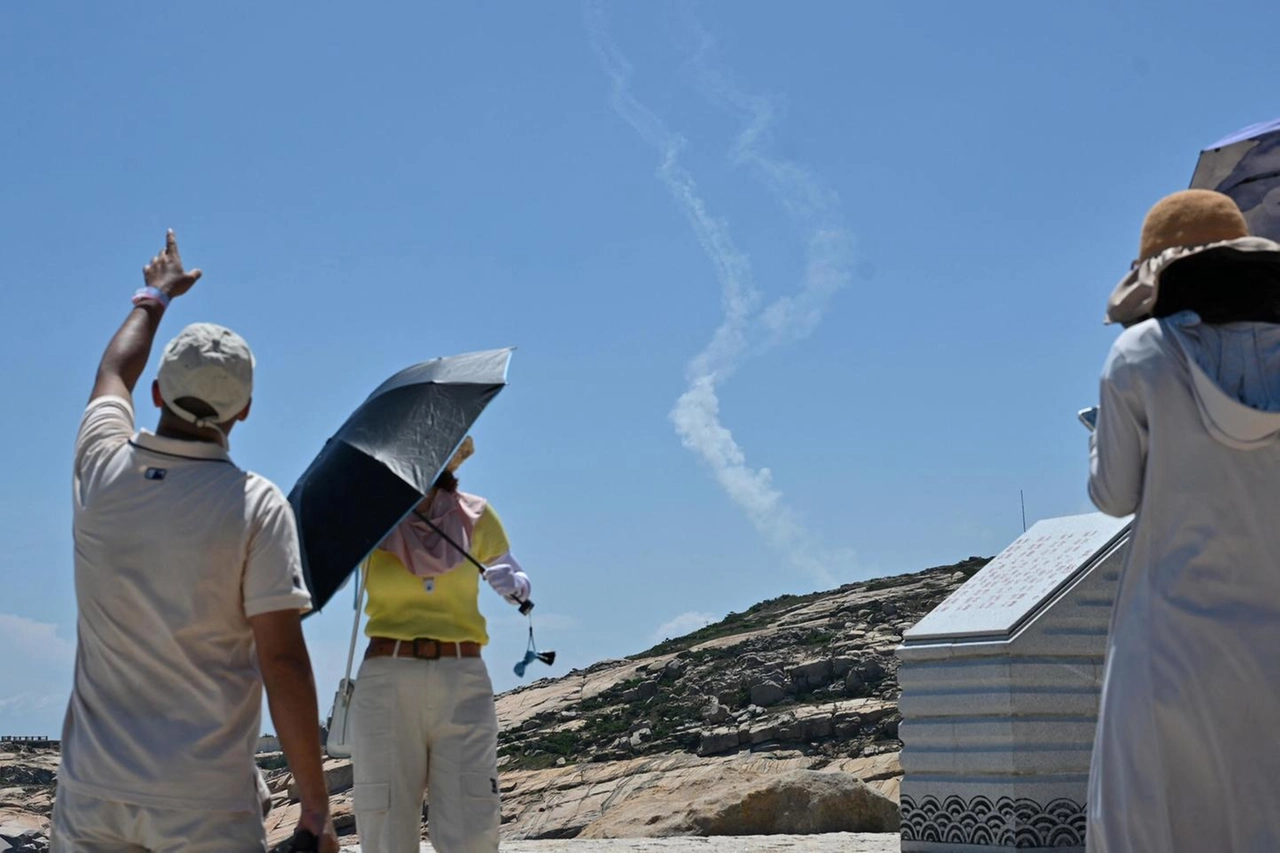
x=811, y=674
x=714, y=712
x=801, y=802
x=15, y=839
x=841, y=665
x=651, y=797
x=735, y=799
x=642, y=691
x=284, y=819
x=766, y=694
x=338, y=777
x=27, y=774
x=863, y=679
x=718, y=742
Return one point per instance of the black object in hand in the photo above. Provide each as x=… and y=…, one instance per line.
x=304, y=842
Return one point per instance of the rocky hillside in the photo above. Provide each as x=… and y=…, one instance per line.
x=780, y=719
x=795, y=683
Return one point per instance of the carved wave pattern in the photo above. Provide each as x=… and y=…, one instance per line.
x=1006, y=822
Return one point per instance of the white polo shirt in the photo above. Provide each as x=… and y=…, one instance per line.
x=175, y=548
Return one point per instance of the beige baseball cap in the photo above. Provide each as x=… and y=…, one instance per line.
x=209, y=363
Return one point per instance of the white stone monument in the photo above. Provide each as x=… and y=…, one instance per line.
x=1000, y=687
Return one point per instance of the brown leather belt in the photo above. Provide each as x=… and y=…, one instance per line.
x=421, y=648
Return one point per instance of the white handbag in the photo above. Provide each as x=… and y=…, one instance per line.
x=341, y=724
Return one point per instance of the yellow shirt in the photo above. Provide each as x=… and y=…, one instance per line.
x=401, y=608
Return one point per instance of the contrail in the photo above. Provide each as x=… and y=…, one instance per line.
x=746, y=329
x=812, y=207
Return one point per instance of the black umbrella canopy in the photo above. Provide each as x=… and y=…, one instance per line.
x=1246, y=167
x=384, y=459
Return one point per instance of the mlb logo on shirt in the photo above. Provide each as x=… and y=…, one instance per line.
x=156, y=473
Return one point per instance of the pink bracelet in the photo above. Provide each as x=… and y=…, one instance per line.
x=153, y=293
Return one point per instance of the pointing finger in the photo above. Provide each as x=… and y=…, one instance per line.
x=171, y=246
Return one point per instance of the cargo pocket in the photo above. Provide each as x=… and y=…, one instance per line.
x=481, y=805
x=373, y=797
x=480, y=785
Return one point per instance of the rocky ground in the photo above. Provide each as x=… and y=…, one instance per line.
x=780, y=721
x=27, y=777
x=835, y=842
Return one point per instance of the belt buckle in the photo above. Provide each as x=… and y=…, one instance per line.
x=433, y=644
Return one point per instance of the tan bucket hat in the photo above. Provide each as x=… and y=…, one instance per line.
x=1177, y=226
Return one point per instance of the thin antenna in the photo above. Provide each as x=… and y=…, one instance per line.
x=1023, y=499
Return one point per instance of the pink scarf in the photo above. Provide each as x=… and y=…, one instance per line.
x=424, y=552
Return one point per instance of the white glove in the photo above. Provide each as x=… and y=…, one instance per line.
x=508, y=580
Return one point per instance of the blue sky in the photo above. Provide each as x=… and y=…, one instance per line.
x=941, y=195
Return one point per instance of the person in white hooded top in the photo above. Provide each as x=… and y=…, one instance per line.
x=1188, y=440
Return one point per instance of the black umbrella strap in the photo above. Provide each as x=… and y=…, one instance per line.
x=525, y=606
x=446, y=537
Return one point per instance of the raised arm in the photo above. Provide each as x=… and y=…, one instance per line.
x=130, y=347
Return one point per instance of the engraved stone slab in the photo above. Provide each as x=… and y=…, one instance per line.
x=1040, y=562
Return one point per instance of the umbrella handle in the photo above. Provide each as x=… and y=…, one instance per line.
x=525, y=606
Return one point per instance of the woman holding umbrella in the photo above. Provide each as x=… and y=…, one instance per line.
x=423, y=708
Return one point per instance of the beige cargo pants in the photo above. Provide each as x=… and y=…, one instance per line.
x=425, y=724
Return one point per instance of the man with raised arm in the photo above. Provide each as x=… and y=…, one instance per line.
x=190, y=596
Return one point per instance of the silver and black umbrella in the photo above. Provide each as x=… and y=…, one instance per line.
x=384, y=460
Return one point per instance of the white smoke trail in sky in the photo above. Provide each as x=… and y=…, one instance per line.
x=746, y=329
x=814, y=209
